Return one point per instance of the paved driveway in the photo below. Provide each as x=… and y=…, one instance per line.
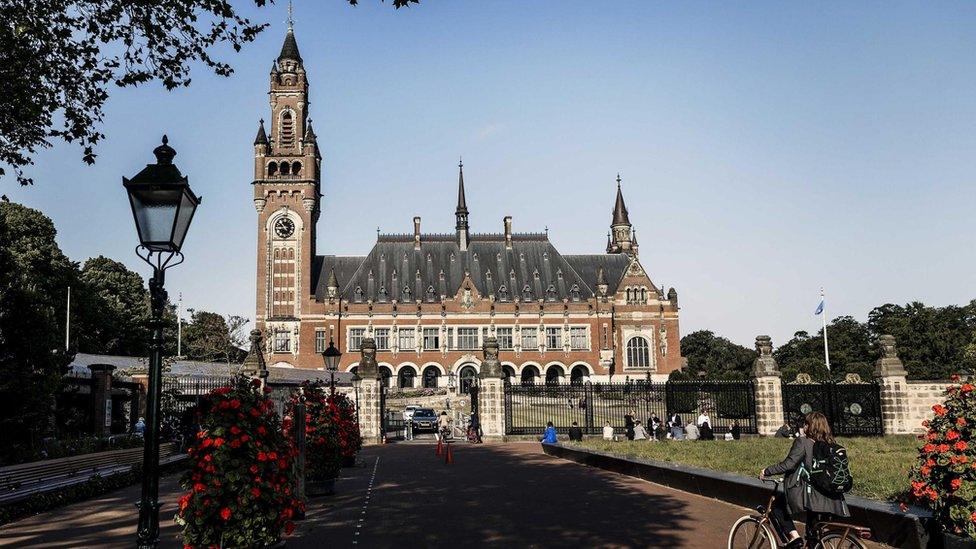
x=404, y=496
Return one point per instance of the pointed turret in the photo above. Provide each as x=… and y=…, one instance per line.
x=623, y=238
x=289, y=49
x=461, y=213
x=309, y=132
x=332, y=285
x=620, y=215
x=262, y=137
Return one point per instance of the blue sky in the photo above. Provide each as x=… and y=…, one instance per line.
x=766, y=149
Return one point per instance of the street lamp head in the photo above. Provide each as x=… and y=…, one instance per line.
x=331, y=357
x=162, y=202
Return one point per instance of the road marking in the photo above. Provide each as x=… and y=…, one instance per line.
x=369, y=493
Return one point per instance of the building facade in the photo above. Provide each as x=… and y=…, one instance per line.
x=430, y=300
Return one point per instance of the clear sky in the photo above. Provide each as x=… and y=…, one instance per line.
x=766, y=148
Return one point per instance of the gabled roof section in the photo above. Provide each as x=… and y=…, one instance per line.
x=344, y=266
x=614, y=267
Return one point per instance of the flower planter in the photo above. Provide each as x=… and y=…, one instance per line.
x=952, y=541
x=349, y=461
x=316, y=488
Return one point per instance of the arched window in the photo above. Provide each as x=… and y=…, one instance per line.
x=638, y=355
x=296, y=168
x=552, y=375
x=468, y=374
x=273, y=169
x=406, y=378
x=629, y=299
x=643, y=295
x=285, y=168
x=529, y=373
x=430, y=377
x=509, y=373
x=386, y=373
x=287, y=130
x=578, y=374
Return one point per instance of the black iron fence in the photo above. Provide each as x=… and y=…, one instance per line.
x=852, y=407
x=591, y=405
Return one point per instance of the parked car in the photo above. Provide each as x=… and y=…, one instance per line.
x=409, y=409
x=424, y=419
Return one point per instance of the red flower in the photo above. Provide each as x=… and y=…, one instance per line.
x=956, y=483
x=272, y=455
x=952, y=435
x=255, y=412
x=966, y=387
x=245, y=438
x=235, y=430
x=928, y=448
x=235, y=443
x=925, y=470
x=954, y=377
x=256, y=492
x=207, y=442
x=961, y=421
x=939, y=410
x=943, y=448
x=218, y=442
x=961, y=446
x=973, y=516
x=235, y=403
x=225, y=513
x=199, y=487
x=261, y=430
x=262, y=456
x=254, y=469
x=282, y=464
x=184, y=501
x=290, y=527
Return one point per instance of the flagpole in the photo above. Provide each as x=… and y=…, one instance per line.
x=179, y=327
x=823, y=318
x=67, y=321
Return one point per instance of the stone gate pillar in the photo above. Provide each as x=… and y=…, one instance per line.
x=491, y=392
x=769, y=388
x=101, y=390
x=254, y=365
x=369, y=393
x=892, y=376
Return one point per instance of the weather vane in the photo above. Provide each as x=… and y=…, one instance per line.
x=291, y=19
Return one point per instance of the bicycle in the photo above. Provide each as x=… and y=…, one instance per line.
x=756, y=531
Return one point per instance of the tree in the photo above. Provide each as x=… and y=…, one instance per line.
x=213, y=338
x=34, y=276
x=59, y=58
x=113, y=310
x=851, y=351
x=717, y=356
x=932, y=341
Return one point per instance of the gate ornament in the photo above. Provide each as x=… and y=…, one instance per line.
x=852, y=378
x=254, y=364
x=803, y=379
x=368, y=369
x=490, y=366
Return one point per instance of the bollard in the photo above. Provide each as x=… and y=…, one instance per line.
x=449, y=456
x=440, y=447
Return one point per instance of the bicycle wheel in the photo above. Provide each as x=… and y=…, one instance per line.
x=837, y=541
x=749, y=533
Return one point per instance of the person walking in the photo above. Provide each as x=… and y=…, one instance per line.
x=629, y=425
x=640, y=433
x=575, y=433
x=608, y=431
x=475, y=430
x=407, y=425
x=549, y=435
x=801, y=494
x=443, y=425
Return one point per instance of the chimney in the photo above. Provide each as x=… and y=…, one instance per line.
x=508, y=231
x=416, y=232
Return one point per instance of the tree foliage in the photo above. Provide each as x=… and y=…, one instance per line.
x=112, y=309
x=60, y=58
x=34, y=276
x=214, y=338
x=718, y=357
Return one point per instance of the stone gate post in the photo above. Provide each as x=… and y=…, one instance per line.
x=254, y=365
x=769, y=388
x=369, y=393
x=101, y=391
x=491, y=393
x=891, y=374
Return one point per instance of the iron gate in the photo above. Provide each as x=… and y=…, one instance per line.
x=852, y=406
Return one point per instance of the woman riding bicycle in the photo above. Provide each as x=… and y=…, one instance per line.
x=801, y=495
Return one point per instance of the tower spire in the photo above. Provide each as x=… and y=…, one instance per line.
x=291, y=17
x=620, y=227
x=461, y=213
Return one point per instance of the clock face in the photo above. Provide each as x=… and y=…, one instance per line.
x=284, y=227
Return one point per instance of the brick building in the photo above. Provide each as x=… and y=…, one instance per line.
x=429, y=300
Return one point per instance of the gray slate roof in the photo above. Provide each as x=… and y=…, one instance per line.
x=532, y=269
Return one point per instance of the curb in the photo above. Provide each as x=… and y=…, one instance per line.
x=888, y=523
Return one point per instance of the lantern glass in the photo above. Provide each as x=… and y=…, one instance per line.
x=331, y=357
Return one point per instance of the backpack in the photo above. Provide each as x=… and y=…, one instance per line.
x=831, y=472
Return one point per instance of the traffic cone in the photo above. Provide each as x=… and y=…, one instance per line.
x=449, y=458
x=440, y=447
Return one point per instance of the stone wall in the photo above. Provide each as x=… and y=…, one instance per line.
x=921, y=396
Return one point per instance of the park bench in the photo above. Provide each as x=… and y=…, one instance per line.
x=20, y=481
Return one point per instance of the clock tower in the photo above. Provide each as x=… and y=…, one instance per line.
x=287, y=166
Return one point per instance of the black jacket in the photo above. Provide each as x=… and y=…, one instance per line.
x=800, y=493
x=575, y=433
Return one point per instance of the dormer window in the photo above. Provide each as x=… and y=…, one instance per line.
x=503, y=293
x=526, y=293
x=383, y=295
x=359, y=294
x=574, y=292
x=551, y=293
x=430, y=294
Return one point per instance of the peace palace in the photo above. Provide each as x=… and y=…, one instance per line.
x=430, y=300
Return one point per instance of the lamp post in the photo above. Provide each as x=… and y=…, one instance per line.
x=357, y=382
x=331, y=357
x=162, y=206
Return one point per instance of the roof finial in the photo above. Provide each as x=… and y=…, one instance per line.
x=291, y=18
x=618, y=180
x=460, y=162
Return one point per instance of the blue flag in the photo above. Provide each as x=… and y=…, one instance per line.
x=820, y=307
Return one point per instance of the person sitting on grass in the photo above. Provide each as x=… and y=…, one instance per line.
x=640, y=433
x=549, y=436
x=706, y=432
x=608, y=431
x=691, y=432
x=800, y=494
x=575, y=433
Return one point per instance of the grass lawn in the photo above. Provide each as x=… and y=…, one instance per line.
x=880, y=465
